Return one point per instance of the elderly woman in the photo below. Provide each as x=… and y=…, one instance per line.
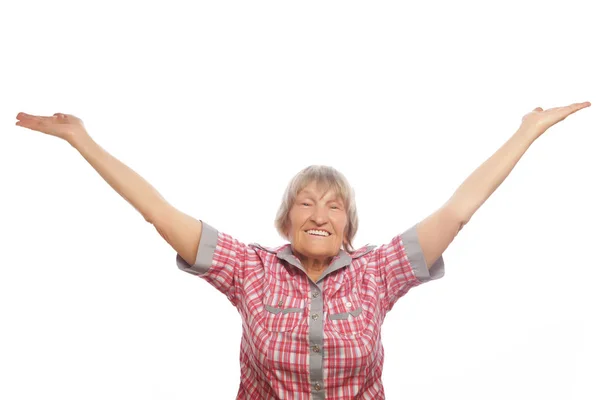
x=311, y=309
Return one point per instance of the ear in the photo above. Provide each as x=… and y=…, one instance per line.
x=346, y=229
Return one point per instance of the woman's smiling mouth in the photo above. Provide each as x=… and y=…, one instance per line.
x=318, y=232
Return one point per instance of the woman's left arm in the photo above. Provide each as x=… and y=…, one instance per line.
x=437, y=231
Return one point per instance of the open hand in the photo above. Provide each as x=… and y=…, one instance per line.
x=64, y=126
x=539, y=120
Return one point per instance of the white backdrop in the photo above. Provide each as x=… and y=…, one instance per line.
x=218, y=105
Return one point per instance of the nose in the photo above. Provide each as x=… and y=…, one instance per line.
x=319, y=215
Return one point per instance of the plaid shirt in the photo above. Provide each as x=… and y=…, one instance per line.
x=308, y=340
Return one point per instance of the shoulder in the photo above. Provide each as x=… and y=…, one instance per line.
x=272, y=250
x=362, y=252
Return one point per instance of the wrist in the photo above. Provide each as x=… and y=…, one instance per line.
x=79, y=140
x=527, y=133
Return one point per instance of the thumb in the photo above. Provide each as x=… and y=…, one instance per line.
x=538, y=109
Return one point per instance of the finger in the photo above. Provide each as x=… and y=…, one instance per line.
x=579, y=106
x=25, y=116
x=568, y=110
x=34, y=124
x=32, y=121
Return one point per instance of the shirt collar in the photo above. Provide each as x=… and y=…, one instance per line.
x=343, y=258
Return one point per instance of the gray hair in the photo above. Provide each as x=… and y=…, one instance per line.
x=332, y=179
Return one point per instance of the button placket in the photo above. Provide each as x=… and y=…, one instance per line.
x=316, y=341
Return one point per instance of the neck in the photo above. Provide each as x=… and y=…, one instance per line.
x=314, y=266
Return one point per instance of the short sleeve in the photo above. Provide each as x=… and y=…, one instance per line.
x=219, y=261
x=401, y=266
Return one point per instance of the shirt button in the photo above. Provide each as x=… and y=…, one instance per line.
x=348, y=304
x=316, y=348
x=317, y=386
x=315, y=316
x=315, y=294
x=280, y=303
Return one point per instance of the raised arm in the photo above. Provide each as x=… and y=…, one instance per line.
x=180, y=230
x=438, y=230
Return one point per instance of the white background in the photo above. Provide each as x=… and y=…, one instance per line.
x=218, y=104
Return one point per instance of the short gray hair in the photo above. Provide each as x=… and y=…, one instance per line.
x=332, y=179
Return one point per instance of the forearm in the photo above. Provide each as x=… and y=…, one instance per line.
x=131, y=186
x=479, y=186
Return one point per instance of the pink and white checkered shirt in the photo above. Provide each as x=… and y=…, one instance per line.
x=311, y=340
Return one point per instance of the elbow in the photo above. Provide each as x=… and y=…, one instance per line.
x=155, y=216
x=458, y=214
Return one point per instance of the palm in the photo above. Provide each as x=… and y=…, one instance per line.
x=64, y=126
x=539, y=120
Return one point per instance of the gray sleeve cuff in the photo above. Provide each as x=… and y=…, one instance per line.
x=416, y=257
x=206, y=250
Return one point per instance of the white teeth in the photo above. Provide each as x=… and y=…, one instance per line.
x=320, y=233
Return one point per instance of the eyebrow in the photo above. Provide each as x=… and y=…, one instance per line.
x=337, y=198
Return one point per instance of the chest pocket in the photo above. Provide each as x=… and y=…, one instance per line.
x=283, y=313
x=345, y=315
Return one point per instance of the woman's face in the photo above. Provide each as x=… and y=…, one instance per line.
x=317, y=223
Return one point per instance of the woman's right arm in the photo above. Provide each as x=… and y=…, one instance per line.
x=180, y=230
